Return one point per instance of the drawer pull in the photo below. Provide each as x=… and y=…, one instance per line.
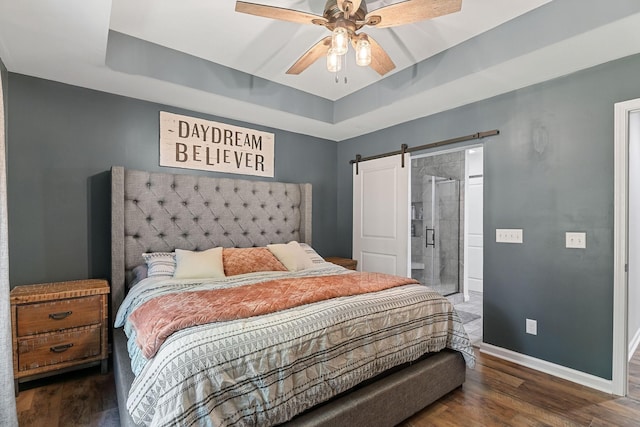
x=61, y=315
x=61, y=348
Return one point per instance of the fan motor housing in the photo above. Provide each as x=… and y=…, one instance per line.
x=333, y=14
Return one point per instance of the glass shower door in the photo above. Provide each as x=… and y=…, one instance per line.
x=440, y=235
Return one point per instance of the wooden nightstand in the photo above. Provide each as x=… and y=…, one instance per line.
x=349, y=263
x=59, y=327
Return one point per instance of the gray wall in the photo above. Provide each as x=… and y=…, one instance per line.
x=62, y=142
x=549, y=171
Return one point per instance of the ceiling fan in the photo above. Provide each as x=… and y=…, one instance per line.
x=344, y=18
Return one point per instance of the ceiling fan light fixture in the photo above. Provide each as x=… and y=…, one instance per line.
x=334, y=64
x=340, y=40
x=363, y=52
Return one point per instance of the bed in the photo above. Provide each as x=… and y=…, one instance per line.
x=162, y=212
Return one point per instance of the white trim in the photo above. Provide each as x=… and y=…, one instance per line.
x=633, y=345
x=563, y=372
x=620, y=218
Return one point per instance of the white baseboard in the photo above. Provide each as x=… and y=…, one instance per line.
x=633, y=345
x=563, y=372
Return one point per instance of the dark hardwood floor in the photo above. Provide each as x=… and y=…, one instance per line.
x=496, y=393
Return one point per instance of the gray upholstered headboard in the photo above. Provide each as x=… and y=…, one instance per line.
x=159, y=212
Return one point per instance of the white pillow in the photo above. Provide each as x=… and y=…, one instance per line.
x=199, y=265
x=315, y=258
x=160, y=263
x=291, y=255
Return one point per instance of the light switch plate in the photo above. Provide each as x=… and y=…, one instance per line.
x=576, y=240
x=508, y=235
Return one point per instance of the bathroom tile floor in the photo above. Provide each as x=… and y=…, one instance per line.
x=474, y=305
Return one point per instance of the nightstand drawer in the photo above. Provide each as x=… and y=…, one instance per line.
x=57, y=315
x=54, y=348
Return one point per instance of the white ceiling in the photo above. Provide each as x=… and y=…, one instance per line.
x=482, y=51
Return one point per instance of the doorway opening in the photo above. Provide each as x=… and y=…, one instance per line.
x=446, y=243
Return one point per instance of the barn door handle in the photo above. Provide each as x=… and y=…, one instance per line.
x=433, y=237
x=61, y=315
x=61, y=348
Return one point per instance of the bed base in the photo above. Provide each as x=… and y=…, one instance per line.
x=382, y=403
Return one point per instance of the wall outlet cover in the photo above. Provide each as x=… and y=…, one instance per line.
x=532, y=327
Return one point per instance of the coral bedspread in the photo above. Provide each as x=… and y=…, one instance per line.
x=158, y=318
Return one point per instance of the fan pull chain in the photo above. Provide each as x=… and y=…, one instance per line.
x=344, y=67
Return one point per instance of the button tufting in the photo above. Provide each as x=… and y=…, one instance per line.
x=173, y=219
x=173, y=186
x=254, y=219
x=245, y=233
x=196, y=219
x=286, y=219
x=263, y=232
x=161, y=235
x=184, y=203
x=206, y=233
x=235, y=189
x=206, y=203
x=217, y=188
x=278, y=232
x=195, y=187
x=278, y=206
x=136, y=236
x=185, y=235
x=148, y=185
x=270, y=218
x=149, y=219
x=226, y=204
x=216, y=219
x=253, y=191
x=135, y=201
x=244, y=205
x=225, y=233
x=161, y=202
x=263, y=206
x=235, y=219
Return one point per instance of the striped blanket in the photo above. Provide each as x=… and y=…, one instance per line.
x=264, y=370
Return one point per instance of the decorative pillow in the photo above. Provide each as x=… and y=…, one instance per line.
x=316, y=259
x=160, y=263
x=199, y=265
x=249, y=260
x=291, y=255
x=139, y=273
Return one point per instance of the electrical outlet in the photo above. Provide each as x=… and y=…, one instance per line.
x=576, y=240
x=532, y=327
x=509, y=235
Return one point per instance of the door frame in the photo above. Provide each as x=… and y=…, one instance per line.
x=620, y=356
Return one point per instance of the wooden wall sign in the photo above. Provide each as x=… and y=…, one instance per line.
x=192, y=143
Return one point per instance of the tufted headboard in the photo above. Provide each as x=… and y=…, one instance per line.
x=159, y=212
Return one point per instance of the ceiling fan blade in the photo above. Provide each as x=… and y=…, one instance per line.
x=410, y=11
x=279, y=13
x=318, y=50
x=380, y=61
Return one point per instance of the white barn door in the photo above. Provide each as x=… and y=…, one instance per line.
x=381, y=215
